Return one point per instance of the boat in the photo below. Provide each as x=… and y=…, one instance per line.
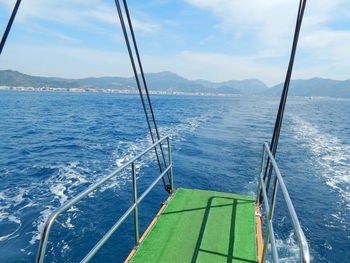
x=195, y=225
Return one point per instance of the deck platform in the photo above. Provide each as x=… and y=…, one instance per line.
x=202, y=226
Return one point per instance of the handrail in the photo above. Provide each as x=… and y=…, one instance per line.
x=52, y=218
x=269, y=235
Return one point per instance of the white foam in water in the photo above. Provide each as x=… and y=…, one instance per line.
x=62, y=188
x=188, y=125
x=40, y=222
x=128, y=149
x=288, y=250
x=65, y=248
x=5, y=214
x=120, y=162
x=329, y=153
x=11, y=218
x=58, y=190
x=63, y=185
x=68, y=223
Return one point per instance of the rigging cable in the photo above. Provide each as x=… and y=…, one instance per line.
x=144, y=79
x=8, y=29
x=9, y=25
x=120, y=14
x=282, y=105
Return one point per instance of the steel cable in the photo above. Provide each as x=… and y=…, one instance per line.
x=144, y=79
x=131, y=56
x=9, y=25
x=282, y=105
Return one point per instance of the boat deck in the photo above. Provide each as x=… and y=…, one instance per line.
x=201, y=226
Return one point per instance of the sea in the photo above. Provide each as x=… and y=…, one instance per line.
x=53, y=145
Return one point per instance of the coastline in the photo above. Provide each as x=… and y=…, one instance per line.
x=122, y=91
x=154, y=92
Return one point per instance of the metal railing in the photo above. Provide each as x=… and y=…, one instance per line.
x=48, y=225
x=269, y=237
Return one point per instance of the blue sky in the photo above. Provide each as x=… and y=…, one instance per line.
x=198, y=39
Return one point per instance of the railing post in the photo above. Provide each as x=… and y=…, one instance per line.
x=259, y=193
x=136, y=214
x=134, y=208
x=274, y=196
x=171, y=165
x=266, y=243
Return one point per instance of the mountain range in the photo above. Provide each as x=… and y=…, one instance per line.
x=171, y=82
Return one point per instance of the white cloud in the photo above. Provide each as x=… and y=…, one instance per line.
x=329, y=49
x=270, y=25
x=323, y=50
x=214, y=66
x=78, y=13
x=69, y=62
x=84, y=62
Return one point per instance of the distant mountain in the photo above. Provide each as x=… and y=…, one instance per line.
x=168, y=81
x=247, y=86
x=16, y=79
x=171, y=82
x=162, y=81
x=314, y=87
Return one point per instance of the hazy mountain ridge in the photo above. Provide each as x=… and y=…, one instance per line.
x=13, y=78
x=171, y=82
x=247, y=86
x=162, y=81
x=314, y=87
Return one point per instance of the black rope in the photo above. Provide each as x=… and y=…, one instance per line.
x=9, y=25
x=282, y=105
x=8, y=28
x=279, y=118
x=120, y=14
x=144, y=80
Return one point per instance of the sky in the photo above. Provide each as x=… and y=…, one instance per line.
x=198, y=39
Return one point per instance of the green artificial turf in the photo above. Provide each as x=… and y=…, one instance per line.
x=202, y=226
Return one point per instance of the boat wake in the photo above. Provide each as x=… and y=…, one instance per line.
x=177, y=133
x=65, y=181
x=329, y=153
x=288, y=250
x=50, y=193
x=11, y=223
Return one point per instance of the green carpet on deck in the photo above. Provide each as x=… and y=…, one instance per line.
x=202, y=226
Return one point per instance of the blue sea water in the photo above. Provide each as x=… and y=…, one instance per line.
x=54, y=145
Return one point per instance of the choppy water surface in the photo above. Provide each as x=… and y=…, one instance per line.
x=53, y=145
